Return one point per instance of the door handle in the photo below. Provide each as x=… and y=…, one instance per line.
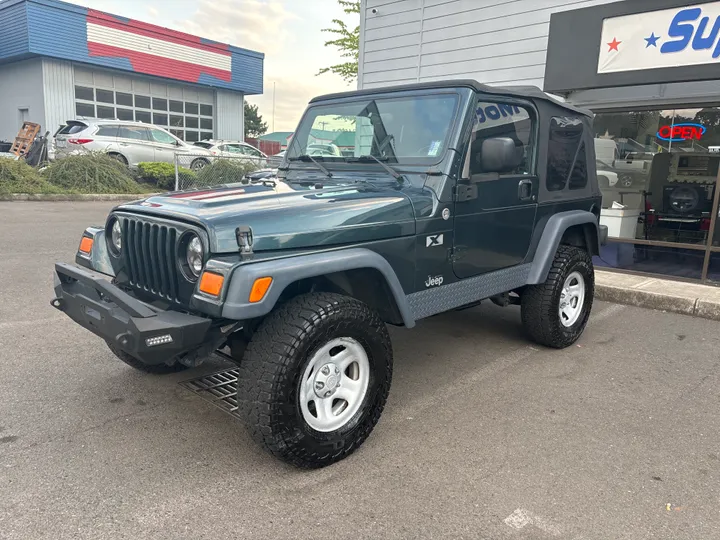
x=525, y=190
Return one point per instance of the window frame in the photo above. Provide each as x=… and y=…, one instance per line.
x=533, y=142
x=198, y=126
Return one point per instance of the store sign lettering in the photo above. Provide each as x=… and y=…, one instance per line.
x=683, y=27
x=495, y=112
x=681, y=132
x=664, y=38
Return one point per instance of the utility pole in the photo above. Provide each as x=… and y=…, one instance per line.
x=273, y=107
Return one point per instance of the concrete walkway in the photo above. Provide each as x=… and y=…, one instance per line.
x=661, y=294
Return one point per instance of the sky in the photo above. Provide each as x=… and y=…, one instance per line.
x=287, y=31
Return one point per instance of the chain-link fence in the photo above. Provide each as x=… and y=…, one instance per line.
x=193, y=171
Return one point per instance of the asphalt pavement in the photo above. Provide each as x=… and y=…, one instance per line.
x=485, y=435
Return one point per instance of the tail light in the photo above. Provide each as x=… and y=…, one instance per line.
x=649, y=214
x=79, y=141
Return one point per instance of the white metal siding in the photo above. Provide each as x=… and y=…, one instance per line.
x=229, y=115
x=492, y=41
x=58, y=89
x=21, y=87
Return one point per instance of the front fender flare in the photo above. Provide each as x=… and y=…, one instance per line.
x=290, y=269
x=550, y=240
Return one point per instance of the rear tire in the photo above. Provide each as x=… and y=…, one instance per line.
x=315, y=378
x=571, y=281
x=155, y=369
x=120, y=158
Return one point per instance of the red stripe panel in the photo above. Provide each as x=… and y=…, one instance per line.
x=157, y=32
x=210, y=194
x=159, y=66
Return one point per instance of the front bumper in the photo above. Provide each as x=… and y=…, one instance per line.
x=90, y=300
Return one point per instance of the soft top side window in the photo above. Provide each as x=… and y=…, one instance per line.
x=505, y=121
x=566, y=154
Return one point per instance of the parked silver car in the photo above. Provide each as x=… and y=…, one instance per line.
x=129, y=142
x=234, y=149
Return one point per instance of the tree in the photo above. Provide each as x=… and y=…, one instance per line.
x=347, y=42
x=254, y=125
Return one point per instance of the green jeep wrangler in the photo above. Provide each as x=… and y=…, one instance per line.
x=442, y=195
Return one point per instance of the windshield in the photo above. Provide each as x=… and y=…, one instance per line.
x=408, y=129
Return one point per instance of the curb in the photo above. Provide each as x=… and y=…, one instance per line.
x=64, y=197
x=696, y=307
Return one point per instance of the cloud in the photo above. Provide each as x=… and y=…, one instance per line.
x=252, y=24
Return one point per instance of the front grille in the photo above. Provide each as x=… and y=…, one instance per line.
x=150, y=256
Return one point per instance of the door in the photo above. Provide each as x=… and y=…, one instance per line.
x=253, y=154
x=166, y=146
x=134, y=144
x=495, y=211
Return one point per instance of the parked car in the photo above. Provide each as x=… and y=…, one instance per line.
x=128, y=142
x=300, y=285
x=330, y=150
x=276, y=159
x=233, y=149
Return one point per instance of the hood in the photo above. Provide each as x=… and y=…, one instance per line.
x=284, y=216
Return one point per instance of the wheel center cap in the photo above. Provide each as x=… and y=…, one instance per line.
x=327, y=380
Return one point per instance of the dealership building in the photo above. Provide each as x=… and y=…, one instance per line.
x=59, y=61
x=648, y=69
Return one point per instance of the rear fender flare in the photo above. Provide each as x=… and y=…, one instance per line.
x=550, y=240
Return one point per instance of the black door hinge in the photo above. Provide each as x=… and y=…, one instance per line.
x=465, y=192
x=454, y=254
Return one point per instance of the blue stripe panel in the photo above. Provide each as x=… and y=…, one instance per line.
x=13, y=30
x=62, y=33
x=59, y=30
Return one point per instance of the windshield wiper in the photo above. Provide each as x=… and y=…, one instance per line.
x=307, y=157
x=368, y=157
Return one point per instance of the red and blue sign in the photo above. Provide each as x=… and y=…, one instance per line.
x=681, y=132
x=70, y=32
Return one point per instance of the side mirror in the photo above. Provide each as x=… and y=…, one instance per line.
x=499, y=155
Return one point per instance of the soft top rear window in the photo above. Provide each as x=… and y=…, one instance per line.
x=72, y=128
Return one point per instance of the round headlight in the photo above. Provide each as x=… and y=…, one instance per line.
x=116, y=236
x=195, y=256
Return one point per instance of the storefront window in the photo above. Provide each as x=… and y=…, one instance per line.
x=657, y=172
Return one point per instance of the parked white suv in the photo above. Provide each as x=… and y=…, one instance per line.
x=233, y=149
x=129, y=142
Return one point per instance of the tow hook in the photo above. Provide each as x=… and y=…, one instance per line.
x=57, y=303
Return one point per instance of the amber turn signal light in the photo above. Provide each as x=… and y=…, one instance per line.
x=86, y=245
x=211, y=283
x=259, y=289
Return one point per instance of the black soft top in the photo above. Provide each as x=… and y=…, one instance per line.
x=526, y=92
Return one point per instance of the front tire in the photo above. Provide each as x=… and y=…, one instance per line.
x=556, y=312
x=315, y=378
x=155, y=369
x=199, y=164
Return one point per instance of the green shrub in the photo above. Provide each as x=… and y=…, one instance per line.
x=163, y=175
x=224, y=171
x=19, y=177
x=94, y=172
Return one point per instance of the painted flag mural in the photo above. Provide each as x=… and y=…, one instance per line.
x=157, y=51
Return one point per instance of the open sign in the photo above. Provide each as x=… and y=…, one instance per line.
x=681, y=132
